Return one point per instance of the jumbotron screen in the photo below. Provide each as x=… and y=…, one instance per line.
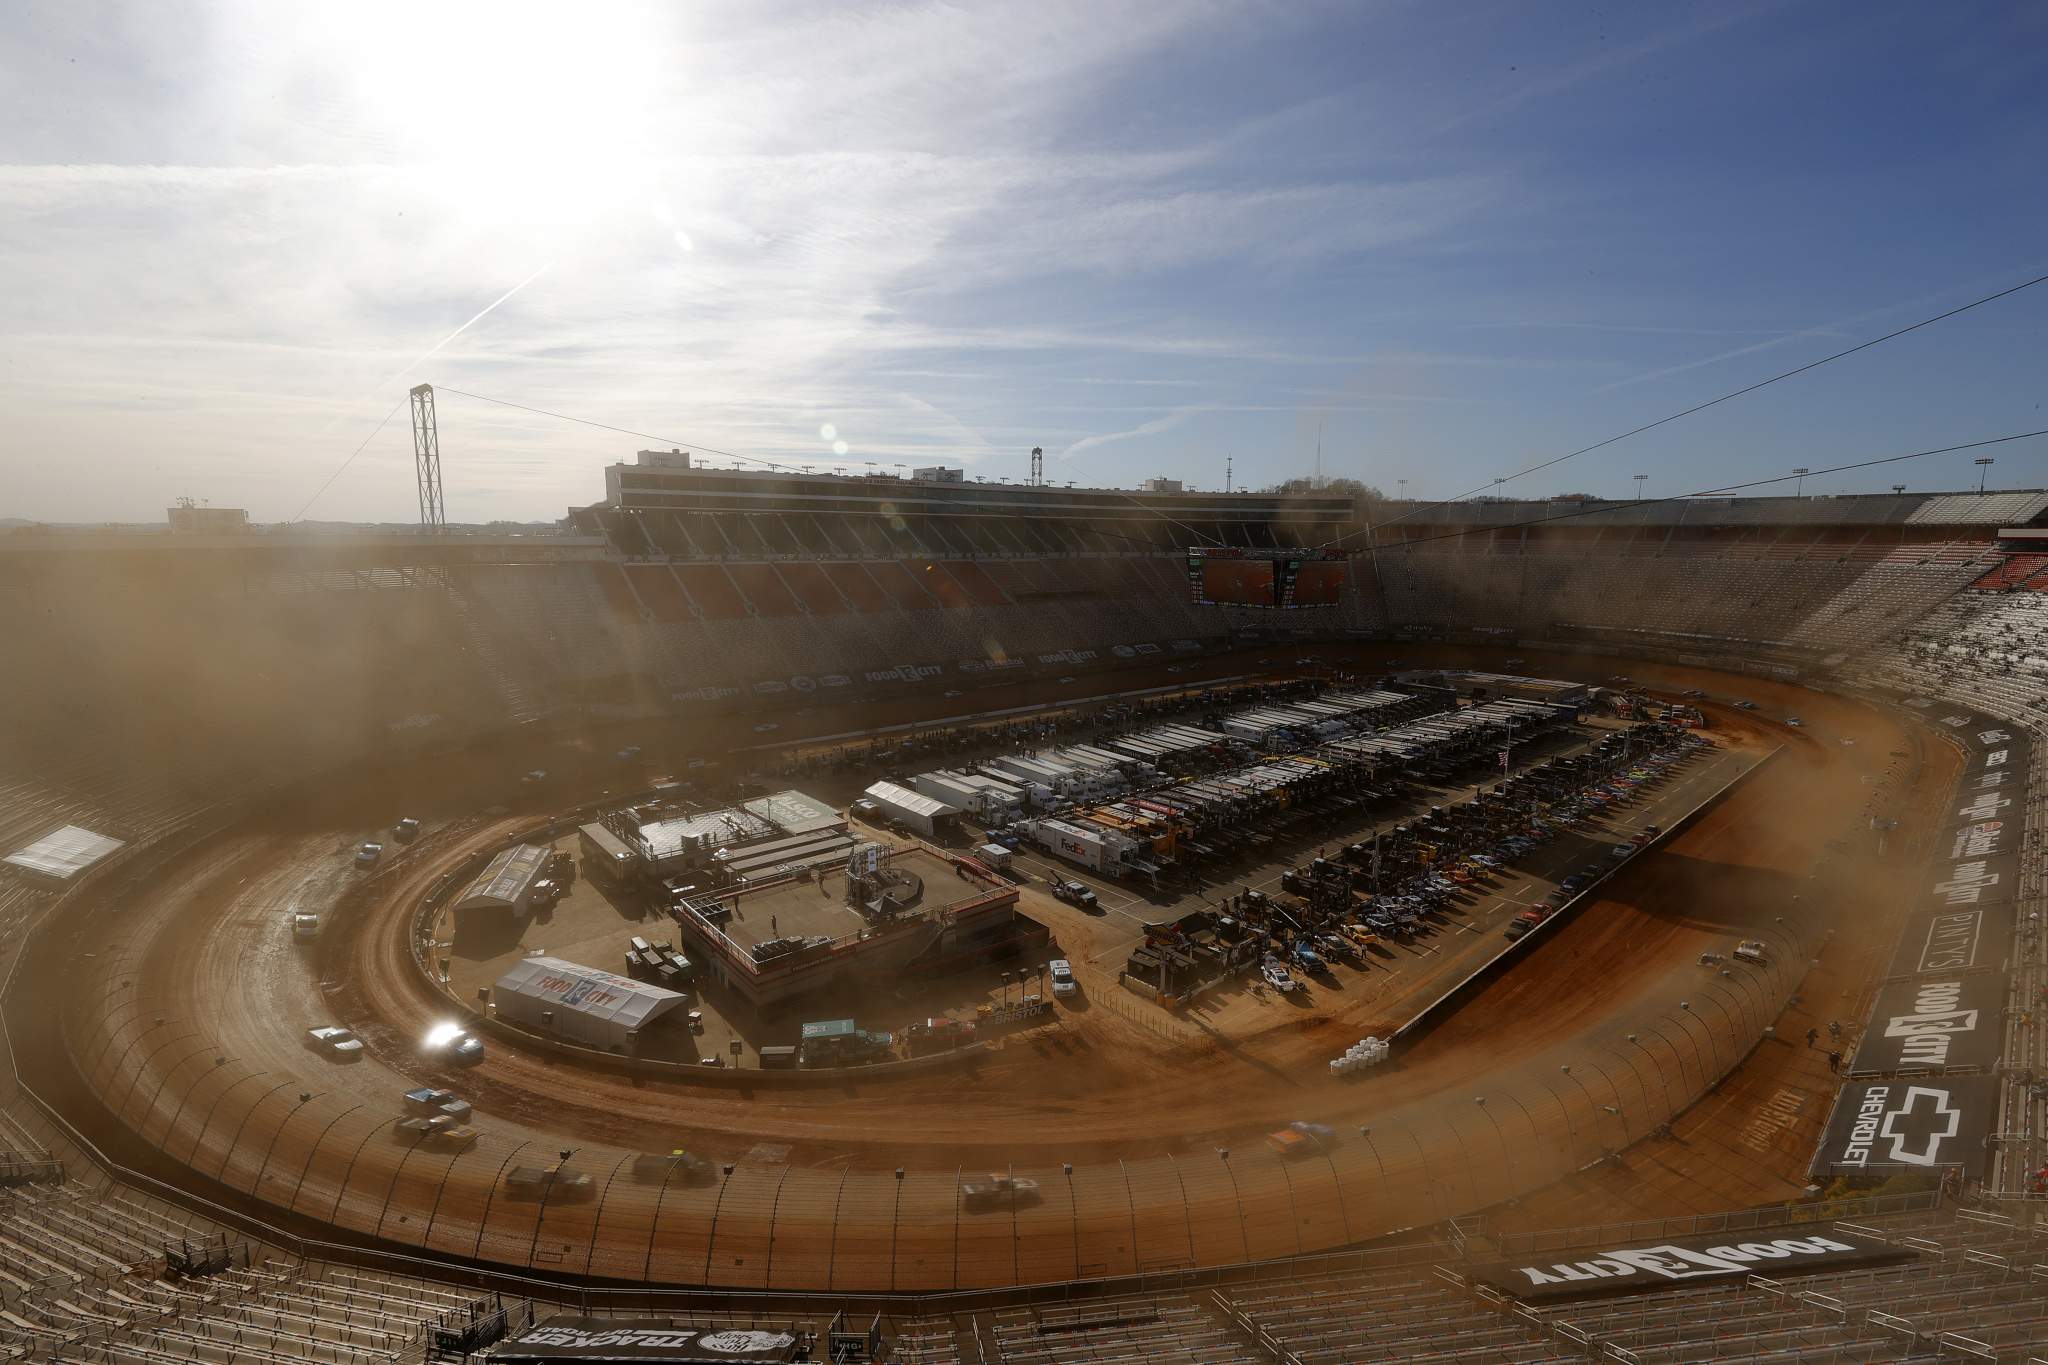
x=1239, y=582
x=1241, y=578
x=1319, y=583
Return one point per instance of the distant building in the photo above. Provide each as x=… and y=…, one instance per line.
x=189, y=518
x=665, y=459
x=1164, y=485
x=938, y=473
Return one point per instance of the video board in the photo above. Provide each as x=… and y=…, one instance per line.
x=1280, y=579
x=1318, y=583
x=1238, y=582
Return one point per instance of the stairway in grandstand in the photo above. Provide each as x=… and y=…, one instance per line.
x=521, y=703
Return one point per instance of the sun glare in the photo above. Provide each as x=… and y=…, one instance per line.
x=526, y=111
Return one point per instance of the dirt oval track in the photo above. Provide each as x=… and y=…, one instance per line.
x=183, y=1015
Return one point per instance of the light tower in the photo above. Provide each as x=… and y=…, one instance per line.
x=426, y=456
x=1983, y=463
x=1037, y=466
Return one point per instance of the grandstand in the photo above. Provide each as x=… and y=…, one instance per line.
x=687, y=586
x=285, y=656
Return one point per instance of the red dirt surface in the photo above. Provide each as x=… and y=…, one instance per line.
x=187, y=1023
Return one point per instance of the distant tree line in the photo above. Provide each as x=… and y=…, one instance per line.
x=1307, y=485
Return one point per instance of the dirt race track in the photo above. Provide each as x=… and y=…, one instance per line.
x=184, y=1011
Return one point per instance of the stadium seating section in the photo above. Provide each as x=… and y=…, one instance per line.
x=273, y=671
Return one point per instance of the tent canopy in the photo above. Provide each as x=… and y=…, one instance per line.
x=612, y=1003
x=63, y=854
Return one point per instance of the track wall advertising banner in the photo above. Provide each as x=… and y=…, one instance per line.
x=1935, y=1023
x=1966, y=939
x=1923, y=1123
x=645, y=1339
x=1978, y=860
x=1643, y=1269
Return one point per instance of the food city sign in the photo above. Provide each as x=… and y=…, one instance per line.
x=1643, y=1268
x=1937, y=1022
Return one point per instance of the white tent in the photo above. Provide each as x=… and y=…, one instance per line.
x=579, y=1004
x=507, y=884
x=920, y=812
x=62, y=855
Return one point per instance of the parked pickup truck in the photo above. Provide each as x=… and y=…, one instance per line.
x=1075, y=894
x=1276, y=976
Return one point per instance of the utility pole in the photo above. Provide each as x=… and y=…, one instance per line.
x=426, y=455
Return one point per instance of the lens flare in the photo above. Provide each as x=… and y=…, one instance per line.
x=441, y=1035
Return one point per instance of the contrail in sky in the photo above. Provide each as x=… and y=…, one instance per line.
x=482, y=313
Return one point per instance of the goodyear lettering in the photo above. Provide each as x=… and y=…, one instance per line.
x=1985, y=806
x=1967, y=883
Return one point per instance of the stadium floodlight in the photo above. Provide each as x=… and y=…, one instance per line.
x=1898, y=488
x=1639, y=478
x=1983, y=463
x=1799, y=489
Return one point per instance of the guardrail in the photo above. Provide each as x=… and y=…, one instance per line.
x=1428, y=1016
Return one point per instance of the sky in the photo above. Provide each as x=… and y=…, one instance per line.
x=1442, y=241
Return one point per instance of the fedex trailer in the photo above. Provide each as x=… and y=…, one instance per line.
x=1099, y=850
